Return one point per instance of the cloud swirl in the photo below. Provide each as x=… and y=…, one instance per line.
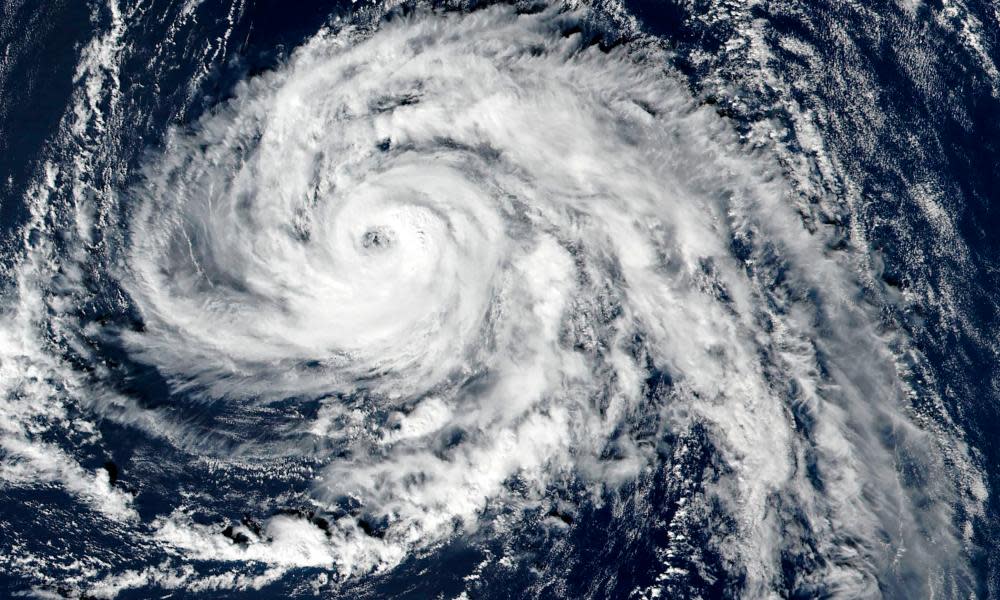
x=499, y=258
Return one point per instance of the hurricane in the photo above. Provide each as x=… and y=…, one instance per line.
x=461, y=301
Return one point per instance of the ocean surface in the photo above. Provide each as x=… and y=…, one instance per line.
x=611, y=299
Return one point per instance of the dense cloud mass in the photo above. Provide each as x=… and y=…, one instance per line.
x=463, y=262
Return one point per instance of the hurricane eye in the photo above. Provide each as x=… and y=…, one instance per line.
x=377, y=239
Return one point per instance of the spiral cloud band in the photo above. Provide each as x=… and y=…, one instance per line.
x=501, y=261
